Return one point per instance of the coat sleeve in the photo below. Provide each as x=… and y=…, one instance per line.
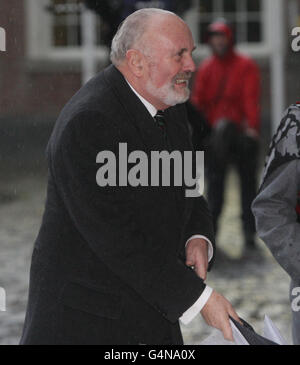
x=276, y=220
x=200, y=223
x=105, y=218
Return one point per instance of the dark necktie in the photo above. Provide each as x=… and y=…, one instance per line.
x=161, y=123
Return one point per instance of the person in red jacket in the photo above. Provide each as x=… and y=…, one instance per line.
x=226, y=91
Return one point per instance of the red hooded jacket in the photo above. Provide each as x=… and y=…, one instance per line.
x=228, y=87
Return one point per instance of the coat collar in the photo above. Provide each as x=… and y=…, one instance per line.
x=141, y=118
x=135, y=110
x=151, y=108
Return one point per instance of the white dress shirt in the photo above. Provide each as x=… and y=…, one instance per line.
x=190, y=313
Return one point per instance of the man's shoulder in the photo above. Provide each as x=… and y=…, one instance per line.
x=294, y=109
x=96, y=94
x=88, y=112
x=94, y=99
x=291, y=116
x=286, y=140
x=290, y=122
x=285, y=144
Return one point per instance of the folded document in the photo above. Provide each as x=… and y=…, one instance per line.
x=245, y=335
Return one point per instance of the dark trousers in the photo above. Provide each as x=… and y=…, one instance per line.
x=242, y=152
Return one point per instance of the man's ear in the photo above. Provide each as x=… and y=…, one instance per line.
x=135, y=62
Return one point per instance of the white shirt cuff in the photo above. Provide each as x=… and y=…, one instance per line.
x=191, y=313
x=210, y=246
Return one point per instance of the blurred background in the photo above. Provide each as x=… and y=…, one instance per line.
x=52, y=48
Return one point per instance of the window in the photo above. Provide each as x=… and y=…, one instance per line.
x=54, y=27
x=54, y=30
x=244, y=15
x=66, y=23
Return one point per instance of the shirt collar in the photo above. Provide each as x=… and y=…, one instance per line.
x=151, y=109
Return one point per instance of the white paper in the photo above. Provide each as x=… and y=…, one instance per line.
x=272, y=333
x=216, y=338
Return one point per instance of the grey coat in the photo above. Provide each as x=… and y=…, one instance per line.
x=276, y=217
x=274, y=208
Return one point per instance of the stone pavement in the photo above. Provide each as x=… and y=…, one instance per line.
x=254, y=286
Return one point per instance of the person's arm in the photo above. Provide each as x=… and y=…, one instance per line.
x=199, y=250
x=251, y=99
x=198, y=237
x=209, y=245
x=106, y=219
x=200, y=225
x=196, y=308
x=276, y=218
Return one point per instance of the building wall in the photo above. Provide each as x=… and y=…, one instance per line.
x=25, y=90
x=32, y=90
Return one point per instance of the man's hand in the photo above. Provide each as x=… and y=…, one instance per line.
x=197, y=256
x=216, y=313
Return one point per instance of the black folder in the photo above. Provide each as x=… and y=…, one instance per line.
x=250, y=335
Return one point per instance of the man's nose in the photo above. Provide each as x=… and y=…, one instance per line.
x=189, y=64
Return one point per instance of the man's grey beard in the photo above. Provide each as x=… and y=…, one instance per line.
x=167, y=94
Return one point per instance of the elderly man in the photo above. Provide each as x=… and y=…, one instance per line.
x=109, y=264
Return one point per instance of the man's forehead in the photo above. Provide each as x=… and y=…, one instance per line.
x=172, y=43
x=168, y=26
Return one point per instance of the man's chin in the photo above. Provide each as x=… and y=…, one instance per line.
x=173, y=102
x=172, y=96
x=183, y=96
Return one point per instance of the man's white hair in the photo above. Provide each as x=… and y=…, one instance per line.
x=131, y=31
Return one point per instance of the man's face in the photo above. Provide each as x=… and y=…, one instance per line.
x=219, y=44
x=170, y=64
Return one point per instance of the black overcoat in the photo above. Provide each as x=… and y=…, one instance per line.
x=108, y=263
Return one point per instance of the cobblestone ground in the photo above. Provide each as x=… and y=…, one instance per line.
x=254, y=286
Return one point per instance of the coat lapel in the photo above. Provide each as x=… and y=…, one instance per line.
x=150, y=134
x=180, y=140
x=136, y=111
